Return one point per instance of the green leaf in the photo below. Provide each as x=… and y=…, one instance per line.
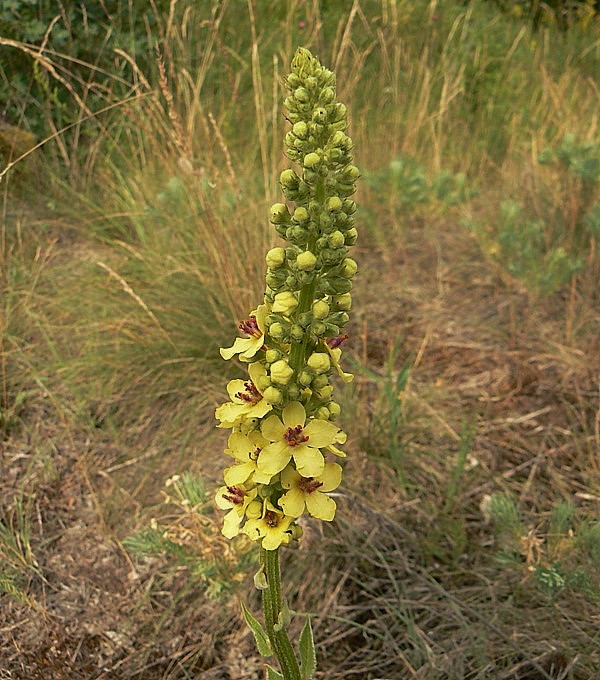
x=308, y=658
x=272, y=674
x=260, y=579
x=283, y=618
x=260, y=635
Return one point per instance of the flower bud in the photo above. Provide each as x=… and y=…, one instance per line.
x=306, y=261
x=343, y=302
x=320, y=309
x=351, y=173
x=311, y=160
x=322, y=413
x=327, y=95
x=273, y=395
x=300, y=215
x=349, y=268
x=284, y=303
x=289, y=179
x=272, y=355
x=305, y=378
x=275, y=258
x=349, y=206
x=301, y=95
x=320, y=115
x=297, y=333
x=320, y=381
x=279, y=213
x=276, y=330
x=334, y=409
x=351, y=236
x=297, y=532
x=325, y=392
x=263, y=382
x=300, y=129
x=334, y=204
x=319, y=362
x=281, y=372
x=318, y=329
x=293, y=392
x=336, y=239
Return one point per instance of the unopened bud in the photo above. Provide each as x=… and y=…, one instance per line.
x=320, y=115
x=275, y=258
x=319, y=362
x=351, y=236
x=305, y=378
x=325, y=392
x=254, y=510
x=322, y=413
x=273, y=395
x=320, y=309
x=263, y=382
x=312, y=160
x=276, y=330
x=281, y=372
x=289, y=179
x=284, y=303
x=271, y=356
x=336, y=239
x=334, y=409
x=297, y=333
x=334, y=204
x=300, y=215
x=300, y=129
x=349, y=268
x=343, y=302
x=306, y=261
x=279, y=213
x=301, y=95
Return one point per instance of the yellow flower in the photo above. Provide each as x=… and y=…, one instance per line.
x=247, y=401
x=308, y=492
x=253, y=329
x=273, y=528
x=246, y=449
x=235, y=499
x=292, y=437
x=336, y=355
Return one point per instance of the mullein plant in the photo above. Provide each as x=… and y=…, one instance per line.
x=284, y=437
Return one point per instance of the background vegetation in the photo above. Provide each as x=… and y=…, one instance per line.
x=140, y=148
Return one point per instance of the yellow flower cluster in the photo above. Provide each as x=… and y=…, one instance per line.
x=282, y=417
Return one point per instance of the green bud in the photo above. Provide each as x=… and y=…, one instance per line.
x=289, y=179
x=351, y=236
x=319, y=362
x=276, y=330
x=273, y=395
x=325, y=393
x=349, y=268
x=293, y=392
x=279, y=213
x=322, y=413
x=275, y=258
x=334, y=409
x=284, y=303
x=301, y=95
x=351, y=173
x=297, y=333
x=271, y=355
x=281, y=372
x=319, y=329
x=320, y=309
x=293, y=80
x=300, y=129
x=320, y=381
x=336, y=239
x=327, y=95
x=263, y=382
x=311, y=160
x=300, y=215
x=305, y=378
x=334, y=204
x=297, y=532
x=343, y=302
x=320, y=116
x=349, y=207
x=306, y=261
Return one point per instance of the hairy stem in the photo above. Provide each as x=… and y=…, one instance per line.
x=272, y=610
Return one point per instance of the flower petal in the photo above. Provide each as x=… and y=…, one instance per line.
x=309, y=461
x=238, y=474
x=254, y=528
x=321, y=433
x=240, y=345
x=292, y=503
x=231, y=524
x=272, y=429
x=273, y=458
x=331, y=477
x=289, y=477
x=235, y=386
x=320, y=506
x=294, y=414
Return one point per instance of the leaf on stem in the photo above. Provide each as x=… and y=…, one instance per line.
x=260, y=635
x=308, y=658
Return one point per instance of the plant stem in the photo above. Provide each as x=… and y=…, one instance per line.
x=272, y=609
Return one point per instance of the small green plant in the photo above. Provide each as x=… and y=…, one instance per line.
x=282, y=416
x=561, y=553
